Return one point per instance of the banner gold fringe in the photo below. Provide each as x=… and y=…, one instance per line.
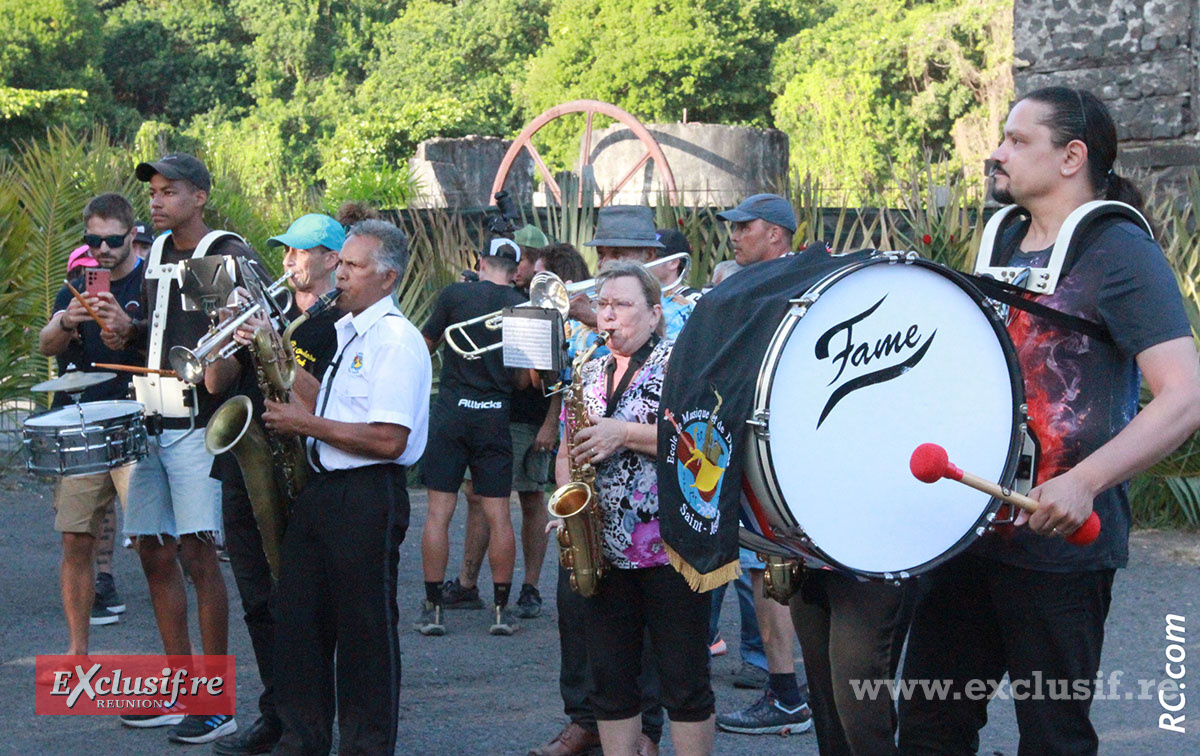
x=702, y=583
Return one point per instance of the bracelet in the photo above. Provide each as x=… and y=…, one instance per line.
x=63, y=326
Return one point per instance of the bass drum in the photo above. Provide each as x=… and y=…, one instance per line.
x=874, y=360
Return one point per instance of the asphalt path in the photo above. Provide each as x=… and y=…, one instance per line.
x=473, y=694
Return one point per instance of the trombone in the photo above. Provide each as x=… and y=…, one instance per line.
x=548, y=292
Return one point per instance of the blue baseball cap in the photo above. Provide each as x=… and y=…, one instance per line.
x=769, y=207
x=310, y=231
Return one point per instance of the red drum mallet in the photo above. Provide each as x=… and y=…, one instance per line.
x=930, y=463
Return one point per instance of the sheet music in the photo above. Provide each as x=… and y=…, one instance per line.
x=528, y=343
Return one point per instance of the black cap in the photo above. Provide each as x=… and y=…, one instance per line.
x=177, y=165
x=673, y=242
x=141, y=233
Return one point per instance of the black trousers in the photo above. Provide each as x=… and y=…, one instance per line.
x=851, y=630
x=980, y=618
x=575, y=674
x=653, y=602
x=253, y=577
x=337, y=596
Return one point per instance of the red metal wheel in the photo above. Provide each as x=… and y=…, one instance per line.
x=590, y=108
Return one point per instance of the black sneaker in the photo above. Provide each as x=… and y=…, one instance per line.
x=260, y=737
x=767, y=716
x=454, y=596
x=429, y=622
x=160, y=717
x=750, y=677
x=101, y=614
x=529, y=605
x=202, y=728
x=505, y=623
x=106, y=593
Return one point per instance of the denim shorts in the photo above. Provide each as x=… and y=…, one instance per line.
x=170, y=491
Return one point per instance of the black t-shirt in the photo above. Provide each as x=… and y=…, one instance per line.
x=1081, y=392
x=529, y=405
x=315, y=340
x=186, y=328
x=484, y=378
x=87, y=347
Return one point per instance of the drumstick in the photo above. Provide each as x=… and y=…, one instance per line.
x=88, y=307
x=134, y=369
x=930, y=463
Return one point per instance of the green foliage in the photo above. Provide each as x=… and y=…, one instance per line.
x=43, y=189
x=174, y=59
x=47, y=73
x=881, y=82
x=656, y=58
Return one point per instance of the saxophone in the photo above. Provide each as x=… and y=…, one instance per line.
x=580, y=544
x=273, y=466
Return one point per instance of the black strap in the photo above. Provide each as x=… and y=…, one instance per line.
x=635, y=364
x=315, y=457
x=1015, y=296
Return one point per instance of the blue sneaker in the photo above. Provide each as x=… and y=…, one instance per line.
x=202, y=728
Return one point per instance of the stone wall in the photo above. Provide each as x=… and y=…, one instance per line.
x=459, y=172
x=713, y=165
x=1140, y=58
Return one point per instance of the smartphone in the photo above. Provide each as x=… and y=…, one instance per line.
x=97, y=280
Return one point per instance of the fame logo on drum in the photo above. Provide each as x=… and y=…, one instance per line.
x=700, y=451
x=860, y=354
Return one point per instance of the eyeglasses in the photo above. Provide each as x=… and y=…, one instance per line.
x=618, y=305
x=113, y=242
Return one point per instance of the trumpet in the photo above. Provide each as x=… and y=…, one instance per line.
x=189, y=364
x=546, y=291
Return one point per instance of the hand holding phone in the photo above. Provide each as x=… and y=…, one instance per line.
x=97, y=280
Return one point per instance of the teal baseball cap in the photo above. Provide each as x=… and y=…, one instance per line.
x=310, y=231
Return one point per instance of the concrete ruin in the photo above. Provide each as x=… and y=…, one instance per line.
x=459, y=172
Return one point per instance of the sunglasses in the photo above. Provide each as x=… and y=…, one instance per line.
x=115, y=241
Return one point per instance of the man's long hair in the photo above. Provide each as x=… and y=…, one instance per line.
x=1079, y=114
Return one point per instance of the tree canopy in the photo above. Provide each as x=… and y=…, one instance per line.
x=333, y=95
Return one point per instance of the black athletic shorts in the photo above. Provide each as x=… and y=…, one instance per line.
x=469, y=433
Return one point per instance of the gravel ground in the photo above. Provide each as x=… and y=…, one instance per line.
x=471, y=693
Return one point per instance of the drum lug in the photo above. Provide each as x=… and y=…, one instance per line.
x=759, y=423
x=897, y=256
x=803, y=303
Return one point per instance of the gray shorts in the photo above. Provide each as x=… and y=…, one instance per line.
x=170, y=491
x=531, y=469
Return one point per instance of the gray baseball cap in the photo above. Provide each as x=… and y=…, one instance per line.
x=769, y=207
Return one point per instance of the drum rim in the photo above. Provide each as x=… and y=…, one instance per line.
x=136, y=409
x=766, y=375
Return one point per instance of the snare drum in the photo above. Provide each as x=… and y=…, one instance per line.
x=874, y=360
x=80, y=439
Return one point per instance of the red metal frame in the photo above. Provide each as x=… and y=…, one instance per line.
x=590, y=108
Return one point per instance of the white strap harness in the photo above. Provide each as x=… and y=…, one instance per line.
x=160, y=394
x=1044, y=280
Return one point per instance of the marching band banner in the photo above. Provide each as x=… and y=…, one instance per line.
x=708, y=395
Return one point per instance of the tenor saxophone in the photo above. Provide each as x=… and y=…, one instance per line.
x=580, y=539
x=273, y=466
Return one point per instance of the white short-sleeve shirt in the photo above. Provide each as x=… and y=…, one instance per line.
x=384, y=375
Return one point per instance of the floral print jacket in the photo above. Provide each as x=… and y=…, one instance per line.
x=627, y=482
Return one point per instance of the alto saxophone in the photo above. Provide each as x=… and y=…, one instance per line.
x=580, y=539
x=273, y=466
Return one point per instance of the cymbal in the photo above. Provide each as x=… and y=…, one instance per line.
x=73, y=382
